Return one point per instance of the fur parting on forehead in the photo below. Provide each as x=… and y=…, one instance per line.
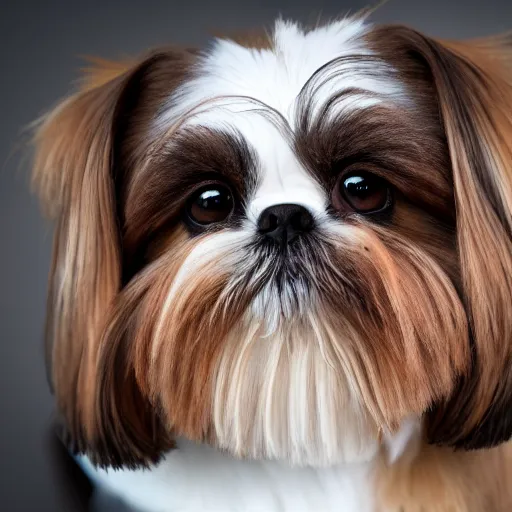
x=232, y=77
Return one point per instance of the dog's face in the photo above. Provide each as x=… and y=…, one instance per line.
x=283, y=248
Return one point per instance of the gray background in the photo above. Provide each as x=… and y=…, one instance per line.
x=40, y=45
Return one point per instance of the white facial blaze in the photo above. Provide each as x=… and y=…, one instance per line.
x=282, y=178
x=232, y=79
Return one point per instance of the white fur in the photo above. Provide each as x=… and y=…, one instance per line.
x=197, y=478
x=283, y=179
x=290, y=396
x=230, y=74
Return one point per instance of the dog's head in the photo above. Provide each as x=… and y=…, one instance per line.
x=283, y=246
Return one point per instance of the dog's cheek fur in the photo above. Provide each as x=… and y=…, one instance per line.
x=168, y=326
x=411, y=348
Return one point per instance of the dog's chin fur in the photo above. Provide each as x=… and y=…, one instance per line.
x=279, y=397
x=337, y=372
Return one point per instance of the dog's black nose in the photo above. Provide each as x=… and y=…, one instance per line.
x=285, y=222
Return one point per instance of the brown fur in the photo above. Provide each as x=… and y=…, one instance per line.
x=412, y=326
x=102, y=71
x=77, y=175
x=475, y=102
x=441, y=480
x=155, y=195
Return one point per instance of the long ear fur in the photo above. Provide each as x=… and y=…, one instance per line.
x=76, y=174
x=473, y=83
x=72, y=174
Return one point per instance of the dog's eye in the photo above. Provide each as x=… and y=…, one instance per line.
x=210, y=203
x=362, y=192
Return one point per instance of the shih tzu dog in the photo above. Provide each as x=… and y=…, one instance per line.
x=282, y=273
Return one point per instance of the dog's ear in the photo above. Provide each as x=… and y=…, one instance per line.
x=78, y=174
x=472, y=83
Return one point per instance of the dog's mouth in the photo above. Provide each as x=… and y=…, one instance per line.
x=285, y=281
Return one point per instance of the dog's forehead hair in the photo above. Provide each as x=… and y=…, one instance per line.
x=261, y=91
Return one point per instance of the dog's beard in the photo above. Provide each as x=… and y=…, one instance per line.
x=286, y=395
x=281, y=389
x=302, y=358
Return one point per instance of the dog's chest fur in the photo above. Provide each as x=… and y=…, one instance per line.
x=198, y=478
x=423, y=479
